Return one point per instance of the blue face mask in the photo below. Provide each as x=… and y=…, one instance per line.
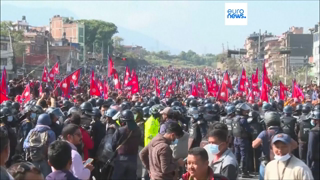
x=213, y=148
x=10, y=119
x=175, y=142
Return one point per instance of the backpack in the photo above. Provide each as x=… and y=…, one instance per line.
x=38, y=146
x=257, y=128
x=305, y=127
x=237, y=129
x=228, y=122
x=288, y=127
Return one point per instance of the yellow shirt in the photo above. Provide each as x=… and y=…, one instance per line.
x=296, y=170
x=151, y=129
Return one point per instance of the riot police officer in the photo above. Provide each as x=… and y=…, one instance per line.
x=302, y=130
x=313, y=159
x=298, y=111
x=86, y=115
x=231, y=113
x=57, y=118
x=288, y=124
x=126, y=142
x=240, y=131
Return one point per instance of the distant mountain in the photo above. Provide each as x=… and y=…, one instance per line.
x=151, y=44
x=41, y=16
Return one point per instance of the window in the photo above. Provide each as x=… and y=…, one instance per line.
x=4, y=46
x=315, y=37
x=3, y=61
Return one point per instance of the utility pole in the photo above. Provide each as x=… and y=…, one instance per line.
x=102, y=51
x=23, y=62
x=222, y=48
x=48, y=62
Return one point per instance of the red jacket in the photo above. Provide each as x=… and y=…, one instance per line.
x=87, y=143
x=212, y=176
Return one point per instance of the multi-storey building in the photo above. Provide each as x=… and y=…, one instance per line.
x=6, y=59
x=271, y=53
x=73, y=31
x=255, y=45
x=21, y=24
x=315, y=60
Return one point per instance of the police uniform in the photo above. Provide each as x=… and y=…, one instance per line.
x=151, y=129
x=302, y=129
x=313, y=160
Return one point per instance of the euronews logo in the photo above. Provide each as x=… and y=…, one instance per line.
x=236, y=14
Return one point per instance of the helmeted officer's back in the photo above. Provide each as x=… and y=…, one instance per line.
x=126, y=142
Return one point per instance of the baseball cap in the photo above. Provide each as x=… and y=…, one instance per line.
x=281, y=137
x=165, y=110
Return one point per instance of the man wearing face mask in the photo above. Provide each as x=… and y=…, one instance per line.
x=157, y=156
x=313, y=159
x=125, y=142
x=222, y=159
x=6, y=118
x=285, y=165
x=241, y=131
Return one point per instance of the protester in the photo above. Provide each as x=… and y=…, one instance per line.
x=313, y=160
x=157, y=156
x=72, y=134
x=5, y=152
x=60, y=159
x=285, y=165
x=25, y=171
x=167, y=116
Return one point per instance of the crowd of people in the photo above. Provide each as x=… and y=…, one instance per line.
x=153, y=134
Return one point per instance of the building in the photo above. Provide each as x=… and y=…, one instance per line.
x=271, y=53
x=315, y=60
x=67, y=28
x=36, y=42
x=6, y=59
x=21, y=25
x=295, y=49
x=255, y=45
x=66, y=55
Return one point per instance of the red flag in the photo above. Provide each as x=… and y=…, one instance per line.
x=169, y=91
x=157, y=87
x=65, y=85
x=194, y=91
x=255, y=82
x=200, y=90
x=296, y=91
x=100, y=85
x=226, y=80
x=94, y=89
x=45, y=74
x=110, y=67
x=264, y=93
x=223, y=92
x=3, y=97
x=265, y=75
x=282, y=94
x=18, y=99
x=51, y=75
x=214, y=85
x=127, y=76
x=133, y=73
x=250, y=98
x=242, y=81
x=105, y=90
x=75, y=76
x=26, y=94
x=56, y=69
x=116, y=80
x=3, y=85
x=134, y=83
x=208, y=84
x=40, y=90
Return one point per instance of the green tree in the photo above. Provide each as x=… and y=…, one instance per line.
x=96, y=32
x=18, y=46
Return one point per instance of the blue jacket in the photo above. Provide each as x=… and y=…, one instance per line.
x=40, y=128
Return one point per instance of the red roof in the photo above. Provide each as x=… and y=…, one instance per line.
x=35, y=59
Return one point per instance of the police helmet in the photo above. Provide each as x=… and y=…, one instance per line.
x=175, y=103
x=99, y=102
x=274, y=105
x=137, y=111
x=200, y=101
x=288, y=109
x=127, y=115
x=5, y=112
x=137, y=104
x=93, y=102
x=316, y=107
x=109, y=102
x=193, y=103
x=316, y=115
x=306, y=108
x=299, y=107
x=266, y=107
x=143, y=104
x=110, y=112
x=255, y=107
x=7, y=104
x=231, y=109
x=207, y=101
x=67, y=104
x=280, y=105
x=74, y=110
x=241, y=107
x=156, y=99
x=216, y=108
x=253, y=115
x=155, y=110
x=146, y=111
x=124, y=106
x=86, y=108
x=272, y=119
x=178, y=109
x=208, y=107
x=55, y=111
x=16, y=106
x=151, y=103
x=96, y=112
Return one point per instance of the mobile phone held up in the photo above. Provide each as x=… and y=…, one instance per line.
x=88, y=161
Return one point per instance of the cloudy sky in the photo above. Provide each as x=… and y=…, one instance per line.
x=184, y=25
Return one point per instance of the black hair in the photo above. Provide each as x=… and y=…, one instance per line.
x=174, y=128
x=75, y=119
x=19, y=170
x=171, y=114
x=105, y=105
x=199, y=151
x=69, y=129
x=59, y=154
x=219, y=125
x=221, y=134
x=4, y=138
x=43, y=103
